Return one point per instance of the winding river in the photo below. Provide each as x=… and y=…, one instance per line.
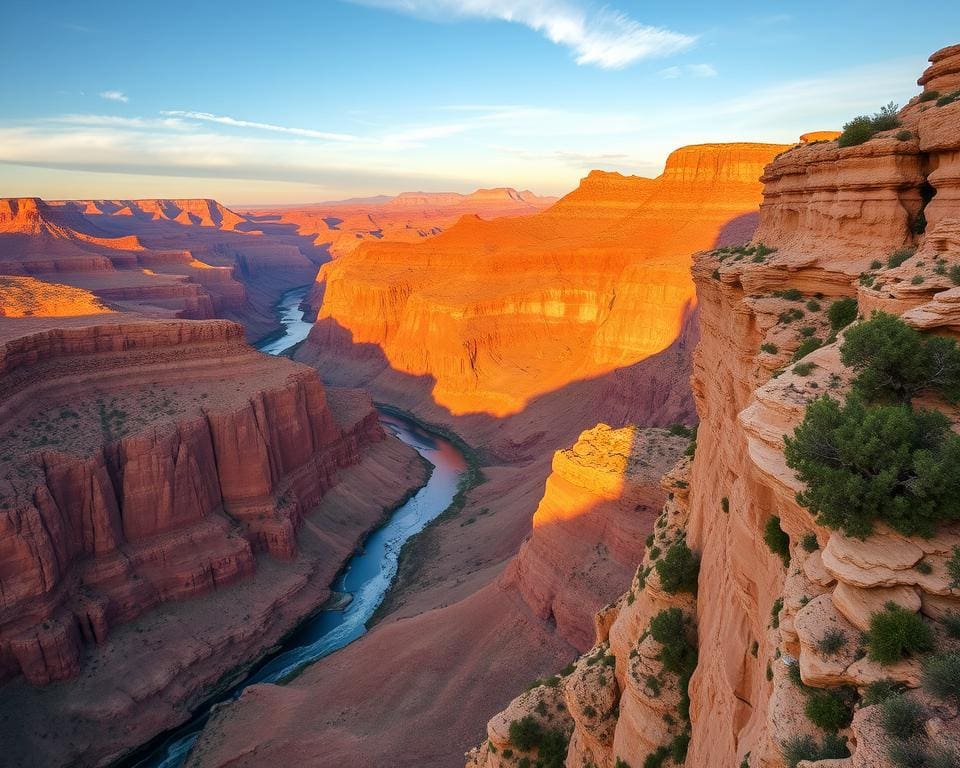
x=366, y=577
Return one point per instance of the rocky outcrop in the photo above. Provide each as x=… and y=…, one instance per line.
x=598, y=506
x=835, y=223
x=144, y=463
x=572, y=293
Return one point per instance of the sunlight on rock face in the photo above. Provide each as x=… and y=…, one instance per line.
x=501, y=312
x=27, y=297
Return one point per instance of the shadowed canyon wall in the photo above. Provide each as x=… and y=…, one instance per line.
x=834, y=215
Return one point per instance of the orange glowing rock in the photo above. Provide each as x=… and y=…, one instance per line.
x=499, y=312
x=27, y=297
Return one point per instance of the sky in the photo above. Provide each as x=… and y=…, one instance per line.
x=284, y=102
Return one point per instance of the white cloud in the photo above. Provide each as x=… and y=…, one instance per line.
x=308, y=133
x=690, y=70
x=604, y=37
x=114, y=96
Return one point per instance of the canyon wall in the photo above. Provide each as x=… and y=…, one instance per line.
x=876, y=222
x=188, y=259
x=493, y=314
x=145, y=466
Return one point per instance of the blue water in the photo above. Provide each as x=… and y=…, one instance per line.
x=294, y=326
x=366, y=577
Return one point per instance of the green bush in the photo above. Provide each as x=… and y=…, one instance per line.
x=790, y=294
x=929, y=96
x=813, y=305
x=894, y=362
x=951, y=623
x=916, y=280
x=953, y=568
x=895, y=633
x=842, y=312
x=898, y=257
x=941, y=677
x=887, y=463
x=955, y=274
x=804, y=369
x=678, y=747
x=829, y=710
x=832, y=642
x=526, y=733
x=777, y=540
x=657, y=758
x=902, y=717
x=674, y=631
x=798, y=748
x=876, y=264
x=806, y=347
x=679, y=569
x=904, y=135
x=879, y=691
x=809, y=542
x=775, y=613
x=864, y=127
x=770, y=349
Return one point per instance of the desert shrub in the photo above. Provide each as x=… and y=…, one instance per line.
x=902, y=717
x=904, y=135
x=678, y=569
x=790, y=315
x=777, y=540
x=953, y=568
x=526, y=733
x=951, y=623
x=621, y=763
x=887, y=463
x=807, y=330
x=770, y=349
x=806, y=347
x=804, y=369
x=876, y=264
x=673, y=629
x=929, y=96
x=680, y=430
x=678, y=747
x=948, y=99
x=775, y=612
x=897, y=258
x=941, y=677
x=894, y=362
x=657, y=758
x=865, y=127
x=790, y=294
x=809, y=542
x=832, y=641
x=813, y=305
x=829, y=710
x=842, y=312
x=798, y=748
x=879, y=691
x=896, y=632
x=916, y=280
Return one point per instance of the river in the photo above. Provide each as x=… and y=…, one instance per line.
x=366, y=577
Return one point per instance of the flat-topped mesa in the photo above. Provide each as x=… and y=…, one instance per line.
x=705, y=164
x=147, y=462
x=202, y=212
x=943, y=74
x=500, y=312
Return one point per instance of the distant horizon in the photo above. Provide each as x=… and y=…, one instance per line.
x=358, y=98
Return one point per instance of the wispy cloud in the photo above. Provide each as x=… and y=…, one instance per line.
x=689, y=70
x=234, y=122
x=115, y=96
x=601, y=36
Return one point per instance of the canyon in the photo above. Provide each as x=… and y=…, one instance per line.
x=622, y=571
x=483, y=604
x=871, y=221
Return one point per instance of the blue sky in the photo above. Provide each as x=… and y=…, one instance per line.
x=299, y=102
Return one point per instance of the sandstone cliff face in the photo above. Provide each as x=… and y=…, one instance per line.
x=189, y=259
x=830, y=213
x=598, y=506
x=587, y=286
x=137, y=472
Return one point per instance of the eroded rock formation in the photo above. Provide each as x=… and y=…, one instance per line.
x=148, y=463
x=876, y=222
x=493, y=314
